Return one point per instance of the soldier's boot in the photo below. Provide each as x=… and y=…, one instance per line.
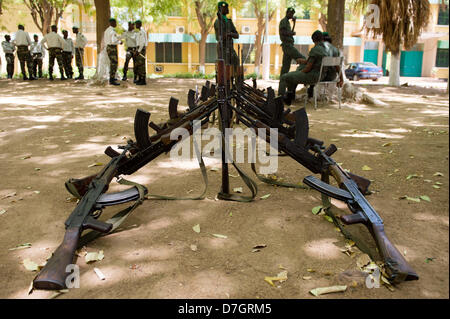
x=135, y=79
x=125, y=71
x=288, y=98
x=80, y=77
x=63, y=78
x=113, y=81
x=50, y=76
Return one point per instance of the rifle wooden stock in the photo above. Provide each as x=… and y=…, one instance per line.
x=397, y=268
x=53, y=275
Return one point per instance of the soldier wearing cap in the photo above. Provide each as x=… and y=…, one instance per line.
x=22, y=41
x=130, y=43
x=8, y=49
x=225, y=33
x=141, y=42
x=80, y=43
x=38, y=54
x=111, y=41
x=287, y=42
x=55, y=46
x=330, y=72
x=67, y=54
x=306, y=73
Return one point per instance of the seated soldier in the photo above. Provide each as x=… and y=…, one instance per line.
x=306, y=73
x=331, y=72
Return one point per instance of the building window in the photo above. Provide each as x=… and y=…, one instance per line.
x=442, y=58
x=211, y=53
x=306, y=14
x=168, y=52
x=248, y=53
x=443, y=15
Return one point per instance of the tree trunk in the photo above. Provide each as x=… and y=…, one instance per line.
x=394, y=72
x=202, y=51
x=336, y=20
x=258, y=44
x=323, y=22
x=102, y=15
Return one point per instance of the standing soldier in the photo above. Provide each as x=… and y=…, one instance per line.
x=67, y=54
x=37, y=54
x=111, y=41
x=80, y=43
x=225, y=33
x=22, y=41
x=55, y=45
x=287, y=42
x=130, y=42
x=141, y=42
x=8, y=49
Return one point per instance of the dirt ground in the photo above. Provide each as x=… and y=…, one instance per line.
x=52, y=131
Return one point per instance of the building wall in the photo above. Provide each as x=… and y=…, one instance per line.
x=354, y=39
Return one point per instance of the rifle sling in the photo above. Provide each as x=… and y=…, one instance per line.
x=120, y=217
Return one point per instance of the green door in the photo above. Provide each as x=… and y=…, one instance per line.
x=371, y=56
x=411, y=62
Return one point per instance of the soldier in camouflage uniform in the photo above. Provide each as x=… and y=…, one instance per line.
x=226, y=31
x=141, y=42
x=290, y=52
x=306, y=73
x=111, y=41
x=9, y=49
x=55, y=47
x=80, y=43
x=22, y=41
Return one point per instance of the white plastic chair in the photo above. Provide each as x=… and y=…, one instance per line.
x=328, y=62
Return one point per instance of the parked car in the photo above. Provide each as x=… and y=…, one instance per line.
x=363, y=70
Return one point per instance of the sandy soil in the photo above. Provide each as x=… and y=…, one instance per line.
x=64, y=127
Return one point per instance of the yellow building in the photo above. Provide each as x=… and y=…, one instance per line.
x=172, y=49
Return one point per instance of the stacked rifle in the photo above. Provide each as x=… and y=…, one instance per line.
x=233, y=98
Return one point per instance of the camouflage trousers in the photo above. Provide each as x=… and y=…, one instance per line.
x=55, y=53
x=67, y=62
x=130, y=55
x=140, y=64
x=25, y=57
x=79, y=55
x=9, y=57
x=113, y=60
x=37, y=64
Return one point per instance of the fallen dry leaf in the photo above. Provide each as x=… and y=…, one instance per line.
x=194, y=247
x=21, y=246
x=281, y=277
x=327, y=290
x=99, y=274
x=95, y=164
x=219, y=236
x=30, y=265
x=196, y=228
x=363, y=260
x=366, y=168
x=2, y=211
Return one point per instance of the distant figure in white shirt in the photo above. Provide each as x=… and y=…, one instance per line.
x=37, y=54
x=22, y=41
x=80, y=43
x=111, y=41
x=130, y=43
x=67, y=54
x=8, y=49
x=141, y=42
x=55, y=46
